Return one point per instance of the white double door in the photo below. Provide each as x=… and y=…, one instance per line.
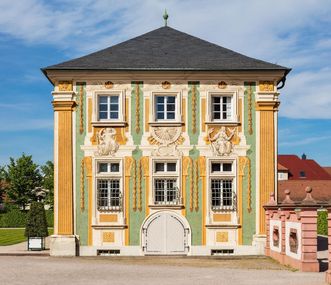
x=165, y=233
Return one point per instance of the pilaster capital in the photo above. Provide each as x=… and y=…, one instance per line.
x=63, y=105
x=267, y=106
x=63, y=95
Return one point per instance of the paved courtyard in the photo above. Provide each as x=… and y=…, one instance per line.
x=37, y=270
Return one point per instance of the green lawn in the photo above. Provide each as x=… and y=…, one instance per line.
x=13, y=236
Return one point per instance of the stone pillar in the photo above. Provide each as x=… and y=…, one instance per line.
x=267, y=245
x=328, y=273
x=309, y=260
x=63, y=242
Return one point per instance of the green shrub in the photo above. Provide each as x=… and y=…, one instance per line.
x=50, y=218
x=36, y=224
x=14, y=218
x=322, y=223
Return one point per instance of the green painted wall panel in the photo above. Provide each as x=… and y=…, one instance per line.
x=81, y=215
x=249, y=218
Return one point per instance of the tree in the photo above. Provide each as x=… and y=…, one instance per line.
x=48, y=182
x=23, y=176
x=3, y=183
x=36, y=223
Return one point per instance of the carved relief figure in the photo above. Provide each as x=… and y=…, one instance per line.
x=107, y=144
x=221, y=143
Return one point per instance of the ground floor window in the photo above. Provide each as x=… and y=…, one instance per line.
x=109, y=194
x=165, y=183
x=222, y=194
x=166, y=191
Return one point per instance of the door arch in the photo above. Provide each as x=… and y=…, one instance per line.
x=166, y=233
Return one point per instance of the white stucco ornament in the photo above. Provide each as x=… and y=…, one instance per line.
x=166, y=138
x=221, y=142
x=107, y=144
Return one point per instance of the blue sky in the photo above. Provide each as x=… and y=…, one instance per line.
x=36, y=33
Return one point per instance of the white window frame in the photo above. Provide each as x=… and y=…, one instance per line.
x=121, y=108
x=109, y=176
x=224, y=175
x=234, y=102
x=178, y=108
x=166, y=175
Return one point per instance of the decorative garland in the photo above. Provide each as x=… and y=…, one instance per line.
x=250, y=119
x=196, y=186
x=249, y=194
x=191, y=185
x=82, y=184
x=134, y=193
x=194, y=109
x=137, y=97
x=81, y=109
x=139, y=186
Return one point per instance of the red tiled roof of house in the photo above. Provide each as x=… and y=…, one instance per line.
x=281, y=167
x=321, y=189
x=303, y=169
x=327, y=169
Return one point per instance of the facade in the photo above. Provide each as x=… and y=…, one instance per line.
x=163, y=144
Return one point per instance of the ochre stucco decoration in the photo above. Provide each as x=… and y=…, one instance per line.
x=166, y=85
x=266, y=86
x=137, y=97
x=167, y=139
x=82, y=184
x=250, y=117
x=107, y=144
x=222, y=85
x=109, y=85
x=221, y=143
x=65, y=85
x=134, y=190
x=194, y=109
x=81, y=109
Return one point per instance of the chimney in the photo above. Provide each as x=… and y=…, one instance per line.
x=304, y=156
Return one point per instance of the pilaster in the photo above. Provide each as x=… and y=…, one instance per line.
x=267, y=105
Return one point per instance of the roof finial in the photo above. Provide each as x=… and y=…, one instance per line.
x=165, y=17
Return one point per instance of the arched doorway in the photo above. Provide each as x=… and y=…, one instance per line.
x=166, y=233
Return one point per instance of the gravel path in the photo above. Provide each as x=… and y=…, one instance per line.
x=39, y=270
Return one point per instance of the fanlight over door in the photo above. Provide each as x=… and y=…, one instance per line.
x=165, y=233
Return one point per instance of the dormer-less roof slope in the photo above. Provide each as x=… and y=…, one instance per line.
x=166, y=49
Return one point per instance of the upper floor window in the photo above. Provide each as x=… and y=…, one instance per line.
x=109, y=107
x=222, y=107
x=165, y=107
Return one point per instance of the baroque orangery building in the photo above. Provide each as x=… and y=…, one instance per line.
x=163, y=144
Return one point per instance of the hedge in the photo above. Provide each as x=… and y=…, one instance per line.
x=322, y=222
x=16, y=218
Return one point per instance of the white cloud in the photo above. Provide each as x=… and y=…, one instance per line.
x=291, y=33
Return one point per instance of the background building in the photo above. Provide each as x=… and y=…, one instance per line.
x=164, y=144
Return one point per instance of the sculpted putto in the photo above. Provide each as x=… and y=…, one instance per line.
x=221, y=142
x=107, y=144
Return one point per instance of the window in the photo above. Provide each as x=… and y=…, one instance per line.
x=165, y=183
x=222, y=190
x=221, y=108
x=109, y=194
x=165, y=108
x=109, y=183
x=108, y=107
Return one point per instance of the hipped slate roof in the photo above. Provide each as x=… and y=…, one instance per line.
x=166, y=49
